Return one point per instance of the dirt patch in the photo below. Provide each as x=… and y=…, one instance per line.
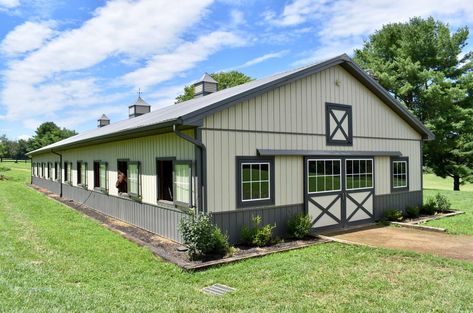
x=172, y=251
x=441, y=244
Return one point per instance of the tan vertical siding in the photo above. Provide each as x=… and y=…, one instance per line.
x=143, y=149
x=296, y=112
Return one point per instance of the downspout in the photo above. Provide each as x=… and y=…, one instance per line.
x=201, y=170
x=60, y=173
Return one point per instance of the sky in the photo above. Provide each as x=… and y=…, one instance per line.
x=71, y=61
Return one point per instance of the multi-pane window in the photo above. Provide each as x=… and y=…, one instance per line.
x=100, y=175
x=359, y=173
x=255, y=181
x=323, y=175
x=182, y=182
x=399, y=173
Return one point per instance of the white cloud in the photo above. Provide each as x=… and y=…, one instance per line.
x=49, y=79
x=343, y=25
x=26, y=37
x=165, y=66
x=263, y=58
x=24, y=137
x=9, y=3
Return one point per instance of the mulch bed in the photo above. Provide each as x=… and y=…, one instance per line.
x=425, y=218
x=171, y=251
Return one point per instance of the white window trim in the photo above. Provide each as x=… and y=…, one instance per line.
x=357, y=174
x=256, y=181
x=402, y=174
x=309, y=176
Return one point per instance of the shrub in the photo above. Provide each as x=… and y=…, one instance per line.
x=393, y=215
x=442, y=204
x=202, y=237
x=257, y=235
x=429, y=207
x=413, y=212
x=299, y=225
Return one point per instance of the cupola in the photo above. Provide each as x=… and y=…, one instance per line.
x=206, y=85
x=140, y=107
x=103, y=121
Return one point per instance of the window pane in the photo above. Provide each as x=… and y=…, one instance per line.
x=133, y=178
x=328, y=183
x=246, y=172
x=255, y=191
x=255, y=172
x=336, y=183
x=264, y=171
x=312, y=184
x=182, y=183
x=349, y=167
x=312, y=168
x=246, y=191
x=328, y=168
x=264, y=190
x=336, y=167
x=320, y=168
x=362, y=166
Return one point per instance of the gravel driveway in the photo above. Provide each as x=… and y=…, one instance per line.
x=442, y=244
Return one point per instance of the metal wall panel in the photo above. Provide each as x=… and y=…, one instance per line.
x=160, y=220
x=231, y=222
x=54, y=187
x=396, y=201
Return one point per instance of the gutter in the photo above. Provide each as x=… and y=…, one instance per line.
x=60, y=166
x=201, y=168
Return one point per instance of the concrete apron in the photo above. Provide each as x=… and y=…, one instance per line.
x=441, y=244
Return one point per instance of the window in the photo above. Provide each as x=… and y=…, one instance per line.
x=399, y=177
x=100, y=175
x=128, y=180
x=182, y=182
x=338, y=124
x=82, y=173
x=56, y=170
x=165, y=179
x=359, y=173
x=68, y=172
x=255, y=181
x=323, y=175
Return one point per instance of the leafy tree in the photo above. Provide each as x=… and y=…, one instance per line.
x=48, y=133
x=3, y=147
x=224, y=80
x=421, y=63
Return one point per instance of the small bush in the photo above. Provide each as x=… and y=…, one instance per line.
x=299, y=225
x=413, y=212
x=393, y=215
x=442, y=204
x=429, y=207
x=203, y=238
x=257, y=235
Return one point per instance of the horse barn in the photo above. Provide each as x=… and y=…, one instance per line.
x=325, y=139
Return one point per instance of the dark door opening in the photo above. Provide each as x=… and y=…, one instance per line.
x=122, y=181
x=164, y=172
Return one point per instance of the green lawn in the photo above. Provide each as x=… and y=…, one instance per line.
x=53, y=259
x=461, y=200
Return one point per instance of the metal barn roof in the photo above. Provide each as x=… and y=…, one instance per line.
x=192, y=111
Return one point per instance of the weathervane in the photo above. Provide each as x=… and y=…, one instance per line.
x=139, y=92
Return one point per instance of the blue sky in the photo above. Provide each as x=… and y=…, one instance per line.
x=71, y=61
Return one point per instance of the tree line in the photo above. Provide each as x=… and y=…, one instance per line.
x=46, y=134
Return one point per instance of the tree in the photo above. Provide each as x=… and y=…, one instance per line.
x=224, y=80
x=421, y=63
x=3, y=147
x=48, y=133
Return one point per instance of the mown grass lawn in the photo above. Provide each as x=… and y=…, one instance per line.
x=52, y=259
x=461, y=200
